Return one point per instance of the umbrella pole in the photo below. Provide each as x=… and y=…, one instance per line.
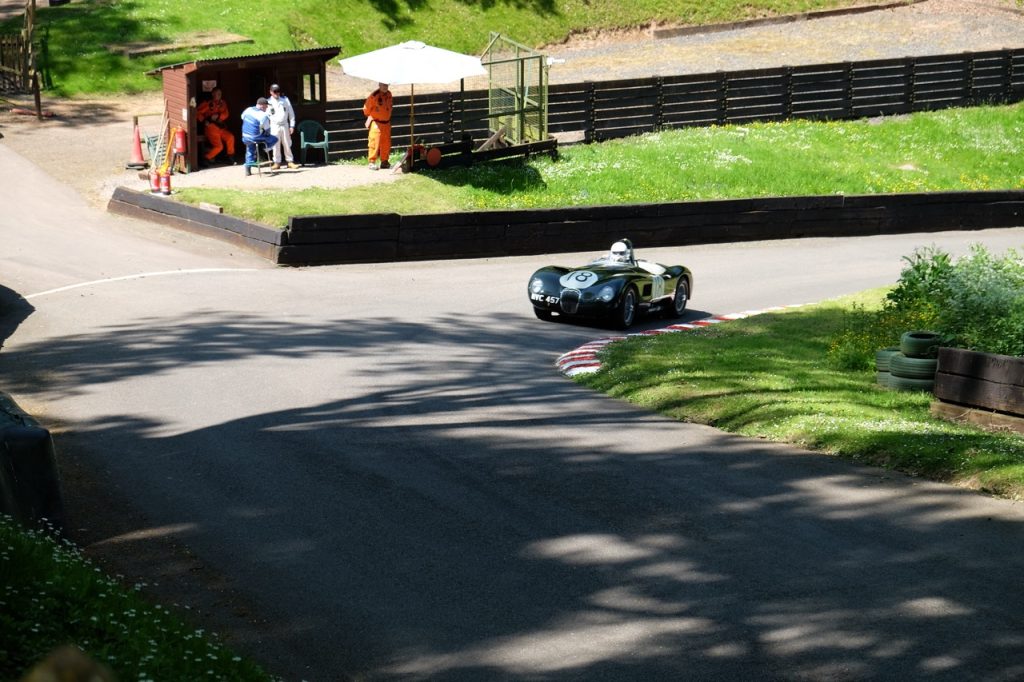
x=412, y=126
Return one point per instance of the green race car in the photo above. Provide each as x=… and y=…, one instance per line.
x=616, y=287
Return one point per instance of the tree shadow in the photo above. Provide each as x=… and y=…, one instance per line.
x=542, y=8
x=502, y=177
x=463, y=513
x=76, y=35
x=394, y=14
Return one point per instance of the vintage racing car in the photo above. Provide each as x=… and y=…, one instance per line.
x=616, y=286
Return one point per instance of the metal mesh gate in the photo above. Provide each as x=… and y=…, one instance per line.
x=517, y=100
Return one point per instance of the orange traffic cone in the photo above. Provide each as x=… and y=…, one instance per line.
x=136, y=161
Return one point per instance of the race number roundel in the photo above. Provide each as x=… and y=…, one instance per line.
x=580, y=279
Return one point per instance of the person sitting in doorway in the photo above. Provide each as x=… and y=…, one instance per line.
x=213, y=114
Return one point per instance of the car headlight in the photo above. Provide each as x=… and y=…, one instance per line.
x=537, y=285
x=606, y=294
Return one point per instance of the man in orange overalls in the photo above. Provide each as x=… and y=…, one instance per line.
x=213, y=114
x=377, y=110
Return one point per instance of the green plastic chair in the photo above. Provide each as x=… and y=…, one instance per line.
x=310, y=134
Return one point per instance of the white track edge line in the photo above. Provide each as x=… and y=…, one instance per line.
x=141, y=275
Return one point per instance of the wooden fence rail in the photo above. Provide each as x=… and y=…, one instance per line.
x=602, y=110
x=14, y=64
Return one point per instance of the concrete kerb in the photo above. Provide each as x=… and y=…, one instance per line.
x=586, y=358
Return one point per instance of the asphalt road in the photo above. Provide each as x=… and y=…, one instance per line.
x=383, y=463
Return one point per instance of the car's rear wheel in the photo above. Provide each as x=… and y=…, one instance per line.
x=542, y=314
x=681, y=298
x=625, y=312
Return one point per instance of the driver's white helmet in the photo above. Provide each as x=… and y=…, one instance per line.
x=619, y=252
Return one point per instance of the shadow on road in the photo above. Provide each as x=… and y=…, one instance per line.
x=468, y=514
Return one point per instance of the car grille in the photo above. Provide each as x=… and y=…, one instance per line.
x=570, y=302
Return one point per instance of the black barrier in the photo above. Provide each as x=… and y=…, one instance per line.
x=29, y=483
x=386, y=237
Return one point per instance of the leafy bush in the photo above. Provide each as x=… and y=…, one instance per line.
x=984, y=303
x=923, y=282
x=976, y=303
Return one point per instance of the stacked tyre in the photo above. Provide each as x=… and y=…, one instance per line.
x=882, y=359
x=913, y=367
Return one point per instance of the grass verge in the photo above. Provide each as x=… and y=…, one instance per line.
x=766, y=377
x=51, y=596
x=956, y=149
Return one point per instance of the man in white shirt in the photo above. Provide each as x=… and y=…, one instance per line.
x=282, y=126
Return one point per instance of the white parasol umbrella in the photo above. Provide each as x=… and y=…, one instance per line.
x=410, y=63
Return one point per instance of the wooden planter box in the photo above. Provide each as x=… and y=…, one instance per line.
x=982, y=388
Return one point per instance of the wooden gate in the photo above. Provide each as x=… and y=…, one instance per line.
x=17, y=60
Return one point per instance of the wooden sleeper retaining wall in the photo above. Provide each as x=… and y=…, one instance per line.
x=983, y=388
x=310, y=240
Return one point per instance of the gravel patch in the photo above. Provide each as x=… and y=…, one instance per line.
x=926, y=28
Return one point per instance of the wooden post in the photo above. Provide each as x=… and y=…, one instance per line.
x=788, y=103
x=38, y=99
x=449, y=117
x=969, y=86
x=848, y=90
x=27, y=35
x=1008, y=83
x=723, y=98
x=590, y=124
x=912, y=83
x=659, y=110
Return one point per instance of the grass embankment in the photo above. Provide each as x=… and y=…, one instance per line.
x=78, y=33
x=50, y=596
x=955, y=149
x=766, y=377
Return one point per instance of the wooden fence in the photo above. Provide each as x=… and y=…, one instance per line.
x=602, y=110
x=18, y=72
x=14, y=64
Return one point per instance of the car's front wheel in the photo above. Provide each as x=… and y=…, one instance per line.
x=681, y=298
x=542, y=314
x=625, y=312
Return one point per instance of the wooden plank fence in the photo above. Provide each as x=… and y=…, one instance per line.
x=14, y=64
x=593, y=111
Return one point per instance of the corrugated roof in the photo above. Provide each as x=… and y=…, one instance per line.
x=220, y=60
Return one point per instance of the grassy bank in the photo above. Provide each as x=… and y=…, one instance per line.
x=955, y=149
x=766, y=377
x=51, y=596
x=77, y=33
